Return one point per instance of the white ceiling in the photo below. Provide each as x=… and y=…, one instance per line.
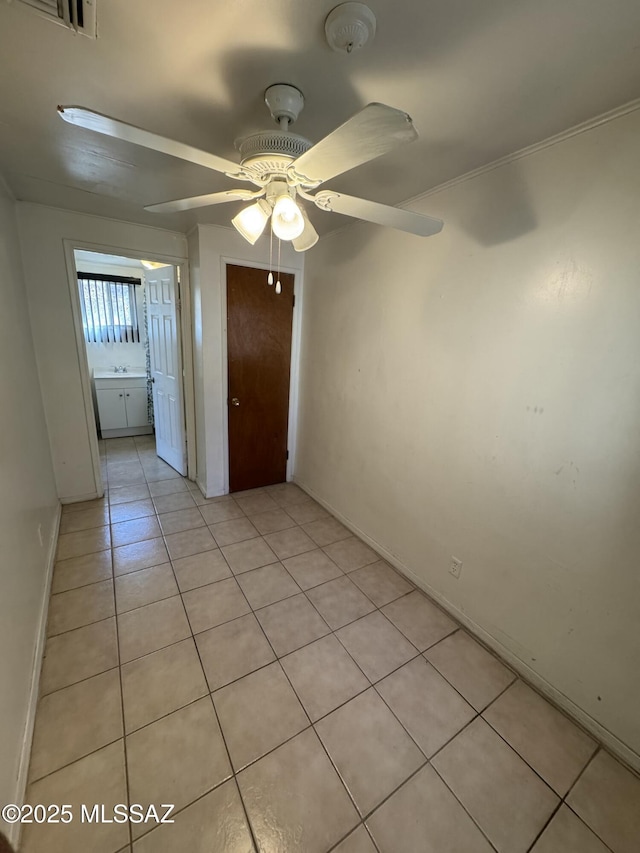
x=480, y=78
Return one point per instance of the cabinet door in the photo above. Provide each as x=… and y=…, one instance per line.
x=111, y=409
x=136, y=402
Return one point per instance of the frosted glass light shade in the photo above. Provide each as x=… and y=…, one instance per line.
x=287, y=219
x=250, y=222
x=308, y=238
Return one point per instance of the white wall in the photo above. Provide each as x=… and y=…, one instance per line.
x=477, y=394
x=193, y=242
x=28, y=503
x=210, y=249
x=43, y=231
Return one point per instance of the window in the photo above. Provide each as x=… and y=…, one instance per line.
x=109, y=311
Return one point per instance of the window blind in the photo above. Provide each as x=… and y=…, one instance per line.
x=109, y=310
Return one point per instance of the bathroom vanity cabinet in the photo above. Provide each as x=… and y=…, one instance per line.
x=122, y=404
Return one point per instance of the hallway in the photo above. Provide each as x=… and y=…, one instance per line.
x=249, y=660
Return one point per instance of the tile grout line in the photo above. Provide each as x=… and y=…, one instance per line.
x=215, y=712
x=311, y=722
x=334, y=632
x=76, y=760
x=278, y=659
x=478, y=715
x=561, y=799
x=503, y=738
x=125, y=733
x=220, y=728
x=282, y=669
x=81, y=680
x=305, y=591
x=545, y=825
x=124, y=728
x=591, y=829
x=331, y=631
x=352, y=832
x=463, y=807
x=598, y=750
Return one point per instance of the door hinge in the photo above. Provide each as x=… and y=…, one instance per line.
x=294, y=300
x=287, y=454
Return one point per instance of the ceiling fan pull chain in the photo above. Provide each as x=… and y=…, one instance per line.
x=278, y=285
x=270, y=276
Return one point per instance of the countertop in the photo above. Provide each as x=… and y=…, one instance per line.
x=133, y=373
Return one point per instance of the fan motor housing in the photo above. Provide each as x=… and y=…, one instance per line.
x=270, y=152
x=267, y=142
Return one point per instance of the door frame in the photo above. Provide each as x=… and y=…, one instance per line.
x=294, y=368
x=186, y=345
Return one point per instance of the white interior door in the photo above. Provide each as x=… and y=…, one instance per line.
x=163, y=301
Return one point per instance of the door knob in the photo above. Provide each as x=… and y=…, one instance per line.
x=235, y=401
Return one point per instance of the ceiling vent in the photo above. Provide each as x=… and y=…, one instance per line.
x=77, y=15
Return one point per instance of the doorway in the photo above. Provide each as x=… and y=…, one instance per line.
x=259, y=334
x=129, y=329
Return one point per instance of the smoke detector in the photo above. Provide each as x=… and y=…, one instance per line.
x=349, y=27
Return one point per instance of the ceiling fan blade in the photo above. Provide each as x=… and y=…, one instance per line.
x=129, y=133
x=202, y=201
x=381, y=214
x=372, y=132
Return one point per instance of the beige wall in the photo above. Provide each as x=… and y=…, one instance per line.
x=28, y=504
x=477, y=394
x=210, y=249
x=43, y=232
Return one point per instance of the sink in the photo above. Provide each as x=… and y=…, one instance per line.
x=132, y=373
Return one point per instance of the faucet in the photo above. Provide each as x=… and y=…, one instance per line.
x=119, y=368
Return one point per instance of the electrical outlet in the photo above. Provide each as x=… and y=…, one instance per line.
x=455, y=568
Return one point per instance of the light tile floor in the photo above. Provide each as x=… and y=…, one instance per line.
x=250, y=661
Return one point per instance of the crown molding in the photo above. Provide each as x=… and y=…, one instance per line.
x=534, y=148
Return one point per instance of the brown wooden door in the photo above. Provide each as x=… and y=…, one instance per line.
x=259, y=358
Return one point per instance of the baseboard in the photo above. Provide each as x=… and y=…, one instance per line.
x=76, y=499
x=21, y=785
x=126, y=431
x=205, y=493
x=555, y=696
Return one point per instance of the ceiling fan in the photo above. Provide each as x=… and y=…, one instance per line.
x=284, y=166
